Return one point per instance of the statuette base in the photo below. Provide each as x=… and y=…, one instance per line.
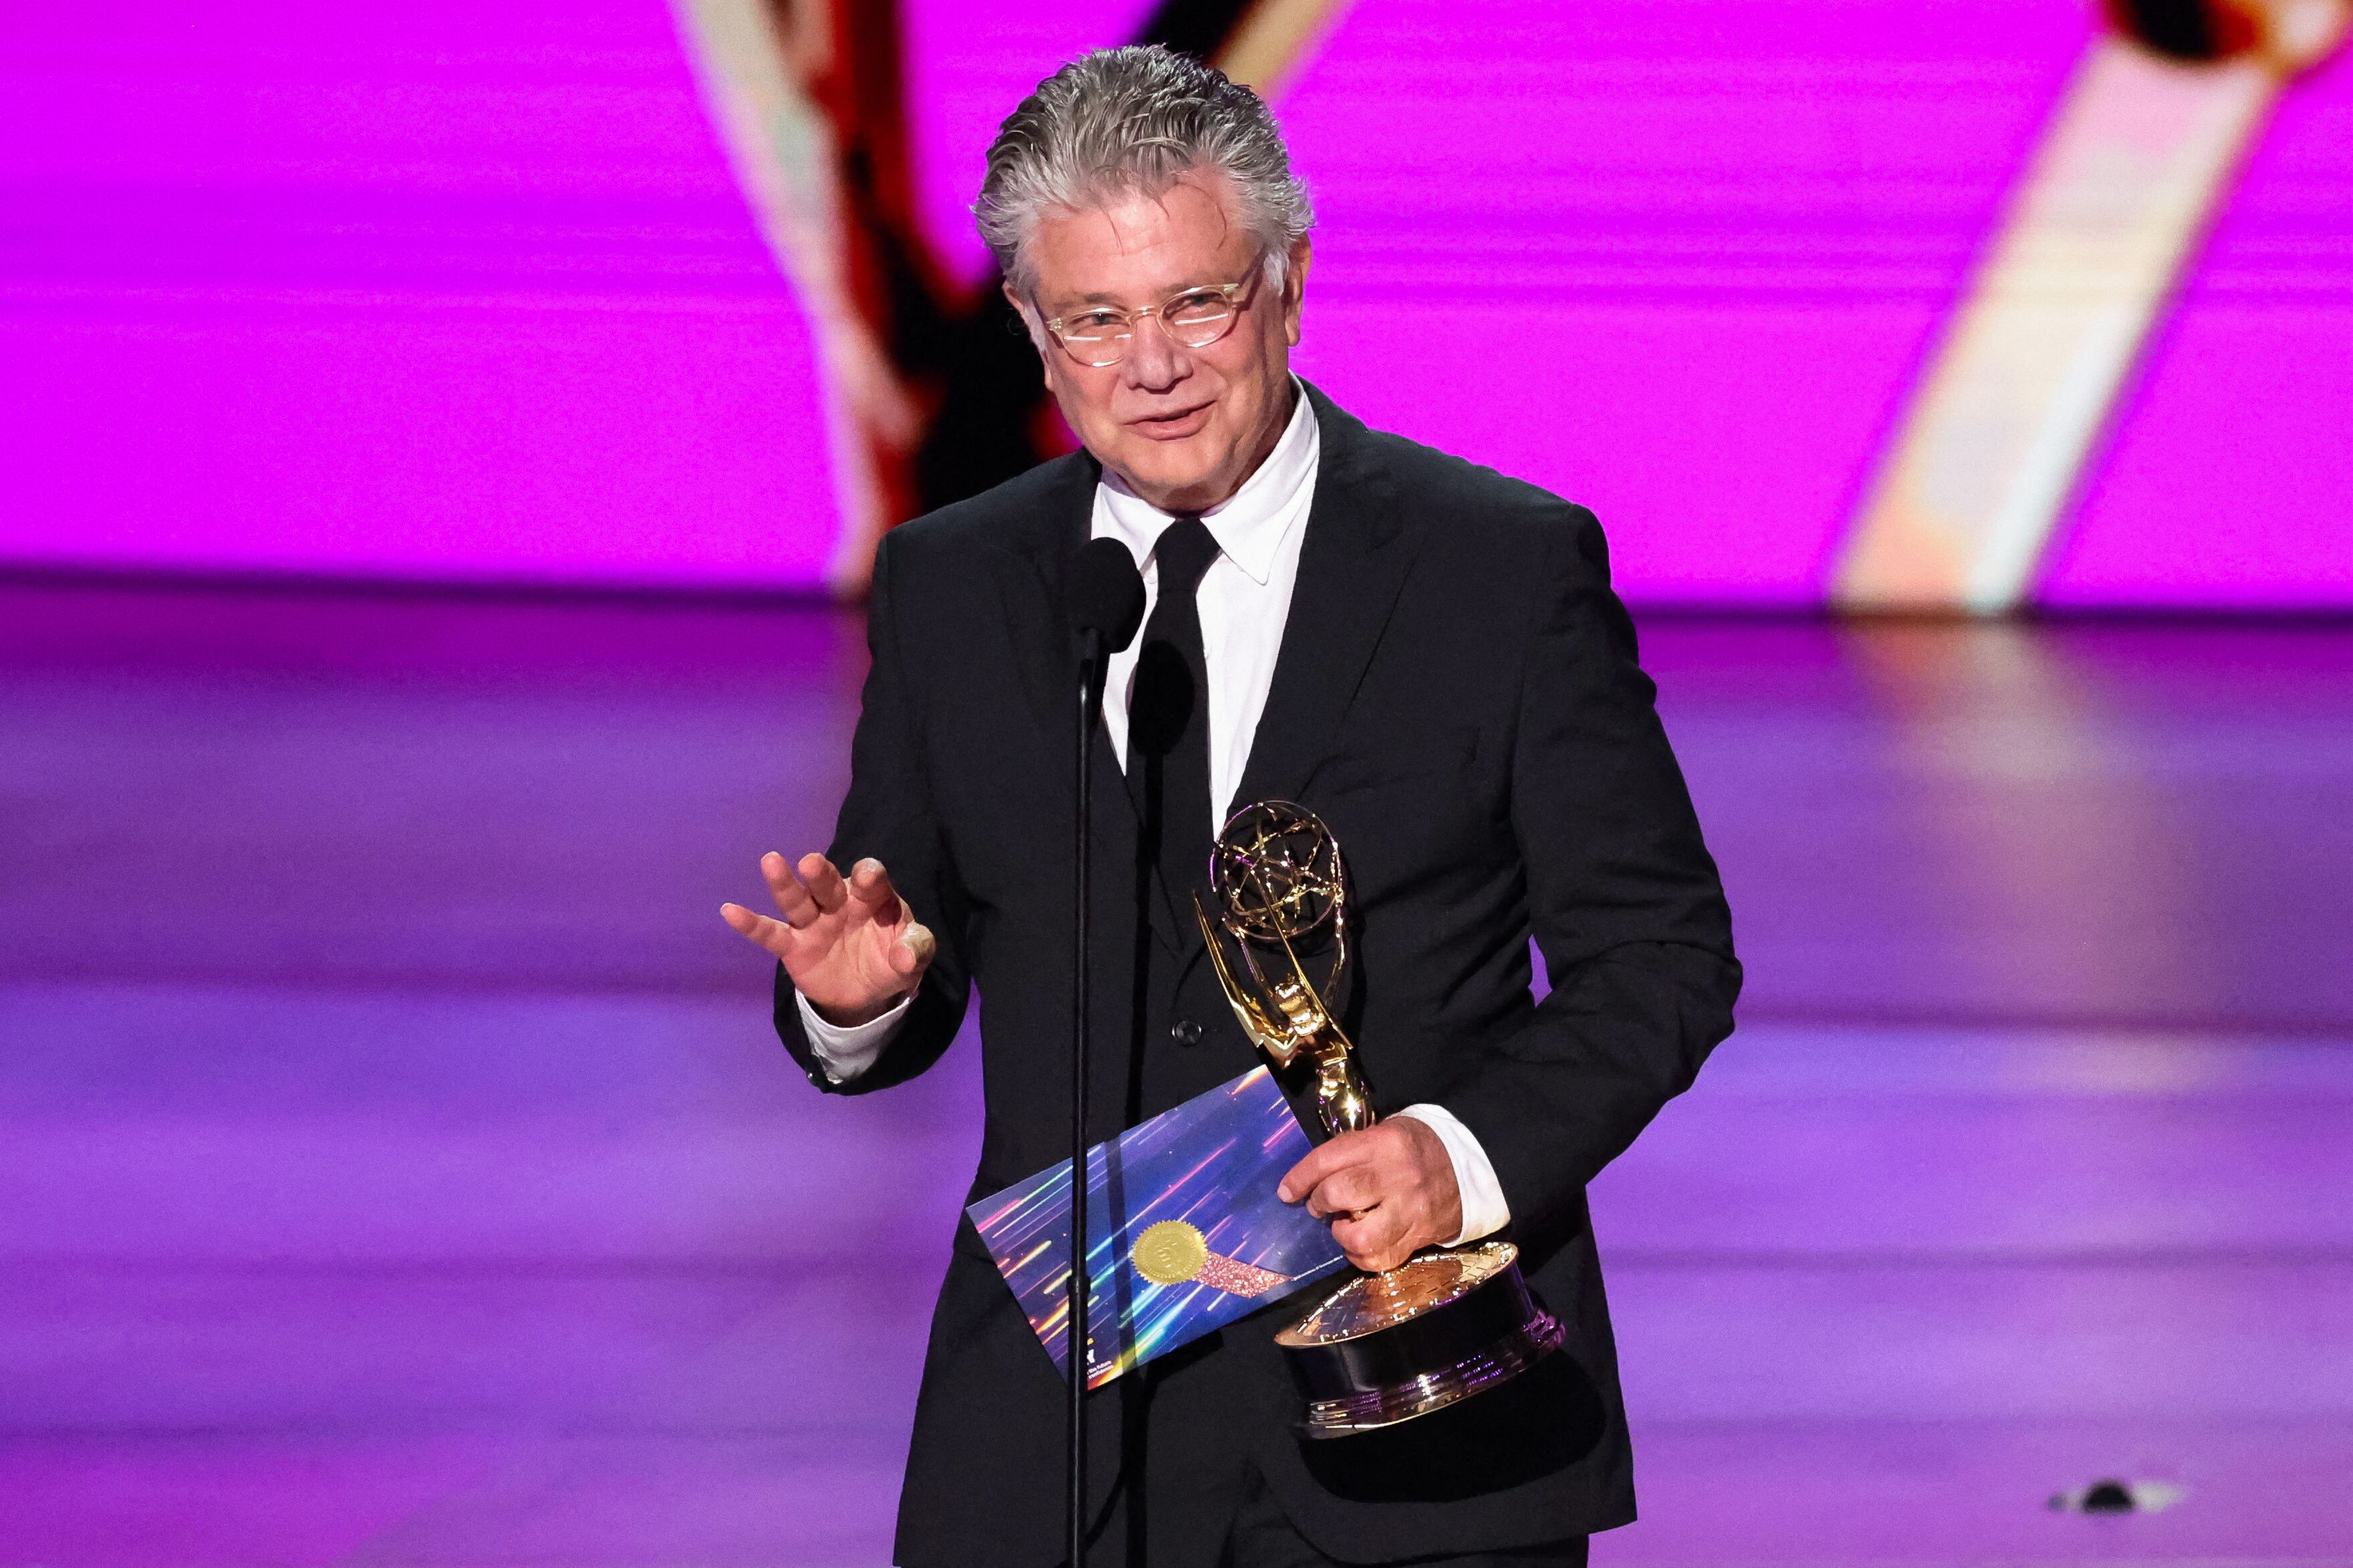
x=1440, y=1327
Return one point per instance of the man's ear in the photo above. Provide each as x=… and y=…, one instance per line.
x=1295, y=287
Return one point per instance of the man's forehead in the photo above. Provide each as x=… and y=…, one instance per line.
x=1138, y=243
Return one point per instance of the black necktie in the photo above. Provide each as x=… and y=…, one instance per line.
x=1168, y=718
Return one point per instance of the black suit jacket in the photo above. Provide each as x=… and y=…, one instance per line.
x=1457, y=696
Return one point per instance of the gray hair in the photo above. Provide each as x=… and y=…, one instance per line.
x=1136, y=121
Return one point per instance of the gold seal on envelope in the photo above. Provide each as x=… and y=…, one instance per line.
x=1174, y=1253
x=1170, y=1253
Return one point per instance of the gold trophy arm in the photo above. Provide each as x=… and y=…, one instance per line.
x=1342, y=1096
x=1328, y=1031
x=1264, y=1032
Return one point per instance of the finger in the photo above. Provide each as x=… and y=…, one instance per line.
x=1351, y=1191
x=911, y=954
x=825, y=883
x=1347, y=1149
x=1373, y=1243
x=870, y=884
x=773, y=935
x=793, y=900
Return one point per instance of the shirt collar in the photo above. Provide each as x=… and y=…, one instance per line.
x=1247, y=525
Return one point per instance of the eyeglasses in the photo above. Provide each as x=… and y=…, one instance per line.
x=1194, y=317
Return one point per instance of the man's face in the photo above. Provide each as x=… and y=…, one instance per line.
x=1183, y=427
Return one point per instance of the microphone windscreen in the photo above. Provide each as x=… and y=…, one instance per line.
x=1107, y=594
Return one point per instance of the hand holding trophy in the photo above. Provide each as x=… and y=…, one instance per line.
x=1447, y=1324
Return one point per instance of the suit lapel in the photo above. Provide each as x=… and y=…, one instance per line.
x=1351, y=566
x=1031, y=583
x=1033, y=576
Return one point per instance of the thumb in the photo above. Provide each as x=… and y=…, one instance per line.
x=911, y=954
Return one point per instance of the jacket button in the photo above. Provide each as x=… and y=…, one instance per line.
x=1185, y=1032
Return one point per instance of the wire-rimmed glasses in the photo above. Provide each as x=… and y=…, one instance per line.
x=1195, y=317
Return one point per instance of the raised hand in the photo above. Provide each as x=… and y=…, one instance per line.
x=851, y=944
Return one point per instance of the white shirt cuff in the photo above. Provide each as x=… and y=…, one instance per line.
x=1484, y=1212
x=845, y=1050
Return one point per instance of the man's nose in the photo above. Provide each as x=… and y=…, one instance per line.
x=1154, y=360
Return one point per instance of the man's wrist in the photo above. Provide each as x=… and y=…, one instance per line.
x=846, y=1050
x=1480, y=1196
x=1438, y=1179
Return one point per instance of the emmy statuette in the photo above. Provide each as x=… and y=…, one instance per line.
x=1447, y=1324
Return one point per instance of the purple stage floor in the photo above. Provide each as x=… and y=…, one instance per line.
x=400, y=1170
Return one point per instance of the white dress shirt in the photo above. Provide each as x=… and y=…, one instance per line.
x=1243, y=599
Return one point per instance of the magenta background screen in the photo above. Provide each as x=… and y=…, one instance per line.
x=470, y=293
x=435, y=290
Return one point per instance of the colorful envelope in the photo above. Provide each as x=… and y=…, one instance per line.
x=1184, y=1231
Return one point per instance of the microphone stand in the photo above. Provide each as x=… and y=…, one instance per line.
x=1091, y=666
x=1107, y=606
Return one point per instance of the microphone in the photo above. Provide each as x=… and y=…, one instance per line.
x=1106, y=594
x=1106, y=605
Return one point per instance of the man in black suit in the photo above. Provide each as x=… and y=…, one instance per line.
x=1425, y=653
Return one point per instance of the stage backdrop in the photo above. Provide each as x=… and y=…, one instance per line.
x=471, y=292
